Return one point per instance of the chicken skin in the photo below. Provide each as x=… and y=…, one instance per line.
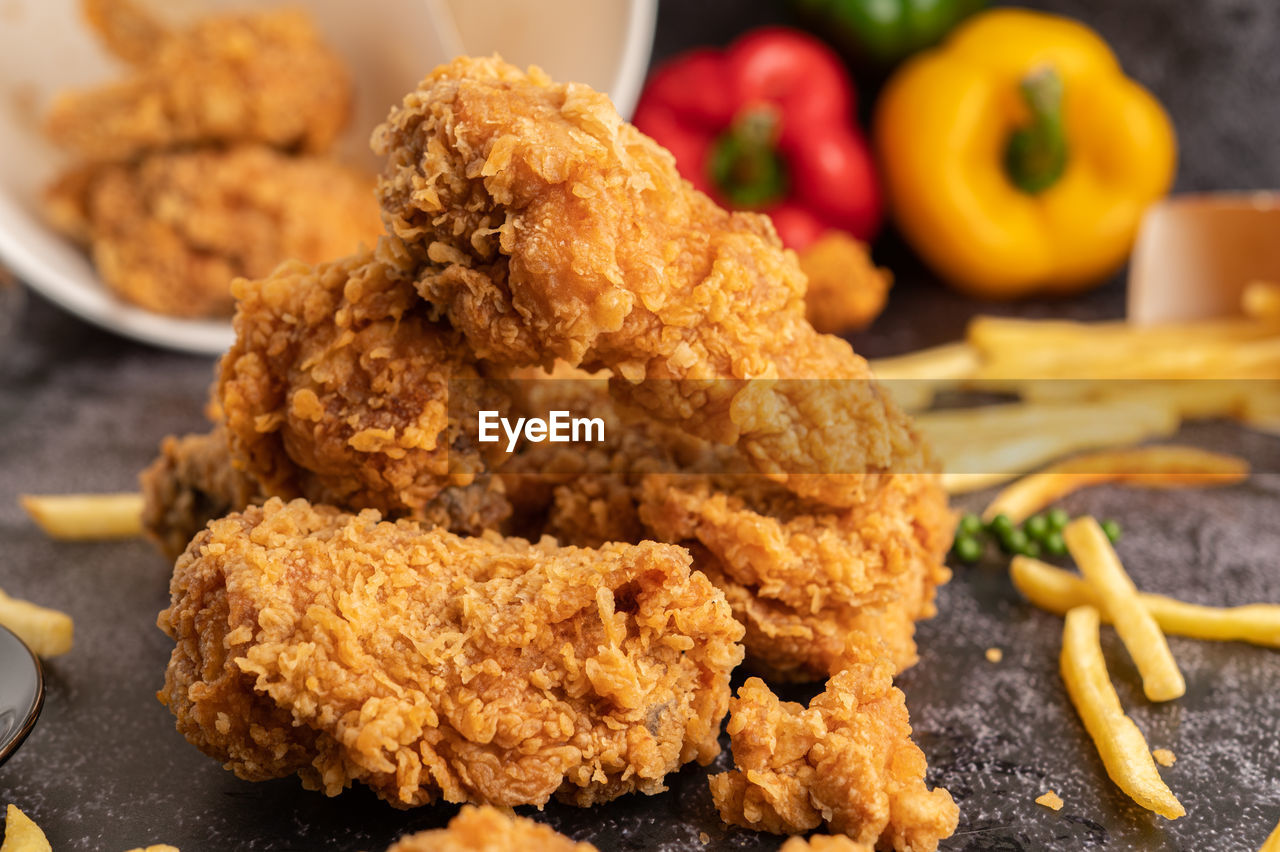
x=699, y=313
x=344, y=649
x=846, y=760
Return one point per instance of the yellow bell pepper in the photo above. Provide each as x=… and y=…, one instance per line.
x=1018, y=158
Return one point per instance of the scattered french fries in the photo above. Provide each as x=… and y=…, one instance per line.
x=21, y=834
x=1166, y=466
x=1121, y=745
x=85, y=517
x=46, y=631
x=1088, y=545
x=1055, y=590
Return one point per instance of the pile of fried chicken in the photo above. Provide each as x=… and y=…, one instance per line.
x=210, y=159
x=367, y=592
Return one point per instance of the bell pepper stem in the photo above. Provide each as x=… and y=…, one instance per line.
x=745, y=164
x=1036, y=155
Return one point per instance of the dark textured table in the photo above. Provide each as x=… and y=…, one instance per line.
x=81, y=410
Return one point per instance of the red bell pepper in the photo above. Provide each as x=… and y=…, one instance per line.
x=768, y=124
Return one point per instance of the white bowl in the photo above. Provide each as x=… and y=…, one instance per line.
x=389, y=45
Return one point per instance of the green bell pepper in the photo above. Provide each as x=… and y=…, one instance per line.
x=883, y=32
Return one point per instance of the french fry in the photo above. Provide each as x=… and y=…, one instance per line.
x=963, y=483
x=1088, y=545
x=1062, y=340
x=46, y=631
x=1165, y=466
x=21, y=834
x=1261, y=300
x=1191, y=359
x=1014, y=439
x=1055, y=590
x=1120, y=744
x=913, y=379
x=1272, y=843
x=85, y=517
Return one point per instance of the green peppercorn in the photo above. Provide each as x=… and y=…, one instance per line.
x=1058, y=519
x=1000, y=526
x=1054, y=545
x=1032, y=549
x=1015, y=542
x=971, y=525
x=1037, y=527
x=967, y=548
x=1112, y=529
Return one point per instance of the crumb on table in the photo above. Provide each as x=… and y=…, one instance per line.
x=1050, y=800
x=994, y=655
x=1164, y=757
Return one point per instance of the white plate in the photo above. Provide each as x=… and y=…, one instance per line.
x=388, y=44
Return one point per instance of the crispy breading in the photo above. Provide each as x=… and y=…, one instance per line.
x=802, y=577
x=426, y=666
x=249, y=77
x=337, y=388
x=190, y=483
x=825, y=843
x=169, y=233
x=799, y=575
x=846, y=761
x=487, y=829
x=194, y=481
x=694, y=309
x=846, y=289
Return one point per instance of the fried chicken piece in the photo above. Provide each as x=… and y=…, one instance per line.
x=337, y=388
x=194, y=481
x=489, y=169
x=190, y=483
x=250, y=77
x=802, y=577
x=846, y=290
x=426, y=666
x=170, y=232
x=847, y=760
x=487, y=829
x=824, y=843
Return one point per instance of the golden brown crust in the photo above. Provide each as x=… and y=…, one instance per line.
x=846, y=290
x=424, y=665
x=846, y=761
x=255, y=77
x=487, y=829
x=825, y=843
x=802, y=577
x=337, y=388
x=488, y=167
x=171, y=232
x=190, y=483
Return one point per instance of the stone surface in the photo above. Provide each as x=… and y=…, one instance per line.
x=104, y=769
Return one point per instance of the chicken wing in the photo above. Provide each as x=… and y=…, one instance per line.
x=424, y=665
x=698, y=312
